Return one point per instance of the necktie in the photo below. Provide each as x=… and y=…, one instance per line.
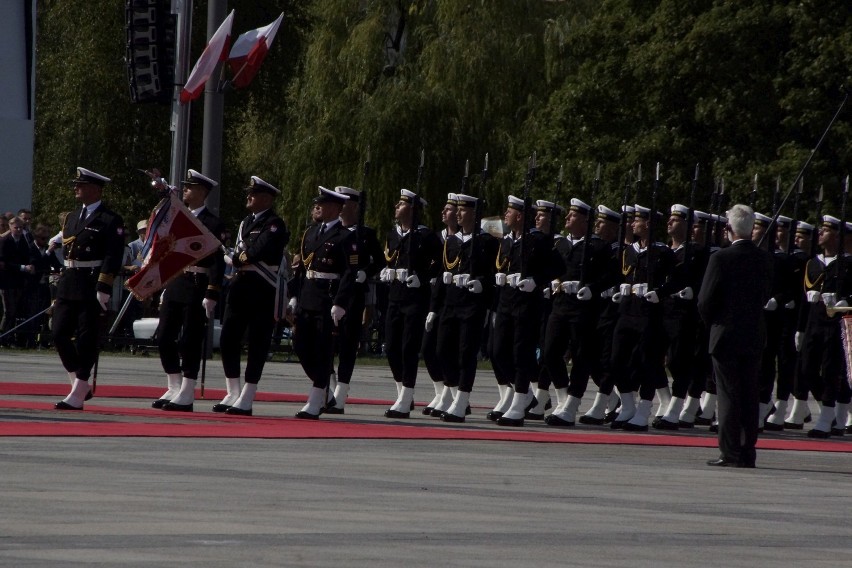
x=322, y=229
x=83, y=214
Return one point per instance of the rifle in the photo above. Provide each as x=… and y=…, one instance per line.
x=814, y=236
x=690, y=222
x=622, y=226
x=753, y=201
x=477, y=215
x=528, y=217
x=791, y=236
x=651, y=223
x=710, y=232
x=589, y=228
x=554, y=218
x=723, y=203
x=362, y=204
x=773, y=237
x=811, y=157
x=841, y=246
x=416, y=208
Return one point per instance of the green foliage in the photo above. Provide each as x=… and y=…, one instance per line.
x=740, y=88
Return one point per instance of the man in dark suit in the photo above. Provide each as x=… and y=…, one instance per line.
x=17, y=260
x=250, y=305
x=736, y=287
x=321, y=292
x=93, y=243
x=187, y=305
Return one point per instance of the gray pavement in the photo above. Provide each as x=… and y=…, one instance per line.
x=249, y=502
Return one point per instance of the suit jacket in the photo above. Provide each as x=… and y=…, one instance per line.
x=13, y=255
x=736, y=286
x=99, y=238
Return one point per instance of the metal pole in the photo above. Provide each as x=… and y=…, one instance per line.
x=180, y=113
x=214, y=112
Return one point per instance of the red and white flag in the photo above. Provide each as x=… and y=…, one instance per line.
x=216, y=51
x=248, y=52
x=176, y=239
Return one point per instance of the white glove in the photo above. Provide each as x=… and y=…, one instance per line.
x=292, y=304
x=797, y=340
x=337, y=314
x=228, y=260
x=500, y=279
x=685, y=294
x=361, y=277
x=771, y=305
x=412, y=281
x=430, y=320
x=608, y=293
x=447, y=278
x=829, y=299
x=813, y=297
x=103, y=300
x=584, y=294
x=475, y=286
x=402, y=274
x=512, y=279
x=208, y=305
x=555, y=286
x=387, y=275
x=842, y=304
x=640, y=290
x=546, y=293
x=791, y=305
x=526, y=285
x=652, y=297
x=493, y=319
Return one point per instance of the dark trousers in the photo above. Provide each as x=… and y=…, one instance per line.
x=638, y=347
x=569, y=334
x=249, y=308
x=771, y=353
x=822, y=361
x=602, y=358
x=181, y=336
x=12, y=305
x=737, y=388
x=313, y=341
x=515, y=338
x=80, y=318
x=429, y=352
x=681, y=336
x=404, y=327
x=458, y=340
x=349, y=338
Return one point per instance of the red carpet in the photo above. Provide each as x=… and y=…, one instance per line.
x=209, y=425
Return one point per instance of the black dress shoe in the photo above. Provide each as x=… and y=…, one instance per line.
x=221, y=407
x=808, y=418
x=447, y=417
x=611, y=416
x=160, y=403
x=331, y=402
x=531, y=416
x=793, y=426
x=467, y=411
x=412, y=405
x=773, y=427
x=62, y=405
x=663, y=424
x=304, y=415
x=724, y=462
x=713, y=428
x=684, y=424
x=821, y=434
x=89, y=395
x=533, y=403
x=390, y=413
x=617, y=424
x=335, y=410
x=234, y=411
x=630, y=427
x=548, y=405
x=656, y=421
x=838, y=431
x=591, y=420
x=494, y=415
x=172, y=407
x=554, y=420
x=701, y=421
x=427, y=411
x=436, y=413
x=516, y=422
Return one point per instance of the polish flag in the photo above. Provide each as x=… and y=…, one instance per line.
x=248, y=52
x=215, y=52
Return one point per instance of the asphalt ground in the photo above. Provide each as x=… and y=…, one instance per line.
x=155, y=501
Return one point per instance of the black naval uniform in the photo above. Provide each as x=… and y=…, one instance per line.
x=462, y=315
x=429, y=349
x=251, y=295
x=571, y=319
x=407, y=306
x=517, y=322
x=325, y=278
x=94, y=249
x=182, y=317
x=349, y=335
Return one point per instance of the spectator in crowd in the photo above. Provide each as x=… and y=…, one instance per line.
x=17, y=260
